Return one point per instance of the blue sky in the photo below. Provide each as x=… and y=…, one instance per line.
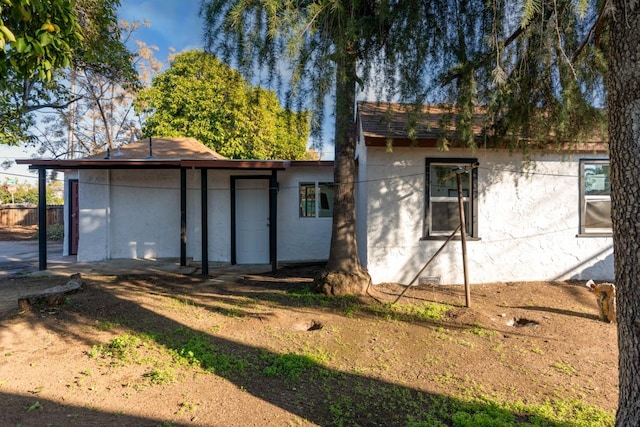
x=173, y=23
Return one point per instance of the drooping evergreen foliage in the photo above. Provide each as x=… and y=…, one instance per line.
x=543, y=77
x=537, y=66
x=201, y=97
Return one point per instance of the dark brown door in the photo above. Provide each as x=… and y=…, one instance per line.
x=74, y=224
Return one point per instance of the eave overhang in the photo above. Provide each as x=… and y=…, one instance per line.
x=155, y=164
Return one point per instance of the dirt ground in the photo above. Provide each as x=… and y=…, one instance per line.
x=18, y=233
x=367, y=364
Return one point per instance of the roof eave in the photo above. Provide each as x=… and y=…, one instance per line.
x=155, y=164
x=583, y=147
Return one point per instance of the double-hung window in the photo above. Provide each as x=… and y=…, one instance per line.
x=316, y=200
x=442, y=215
x=595, y=197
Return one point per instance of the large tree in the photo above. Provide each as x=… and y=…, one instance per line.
x=102, y=116
x=332, y=47
x=623, y=104
x=458, y=52
x=538, y=66
x=201, y=97
x=407, y=50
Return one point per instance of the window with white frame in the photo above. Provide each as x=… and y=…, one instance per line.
x=595, y=197
x=316, y=200
x=442, y=215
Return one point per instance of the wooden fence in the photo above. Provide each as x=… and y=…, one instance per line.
x=26, y=215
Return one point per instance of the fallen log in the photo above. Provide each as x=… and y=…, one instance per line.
x=52, y=296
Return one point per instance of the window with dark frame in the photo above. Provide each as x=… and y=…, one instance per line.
x=442, y=216
x=307, y=199
x=595, y=197
x=316, y=200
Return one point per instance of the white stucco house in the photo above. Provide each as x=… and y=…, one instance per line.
x=174, y=197
x=543, y=217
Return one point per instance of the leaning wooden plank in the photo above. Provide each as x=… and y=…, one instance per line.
x=52, y=296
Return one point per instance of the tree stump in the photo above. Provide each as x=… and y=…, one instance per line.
x=54, y=296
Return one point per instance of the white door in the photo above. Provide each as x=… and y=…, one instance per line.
x=252, y=221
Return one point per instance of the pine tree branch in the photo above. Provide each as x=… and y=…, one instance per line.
x=594, y=29
x=488, y=56
x=484, y=59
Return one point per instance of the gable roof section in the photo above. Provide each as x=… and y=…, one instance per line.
x=161, y=148
x=157, y=153
x=384, y=122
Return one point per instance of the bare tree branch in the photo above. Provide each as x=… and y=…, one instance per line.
x=55, y=106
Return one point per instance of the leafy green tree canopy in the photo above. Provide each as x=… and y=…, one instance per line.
x=37, y=37
x=41, y=42
x=201, y=97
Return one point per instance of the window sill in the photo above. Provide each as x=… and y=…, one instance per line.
x=443, y=238
x=581, y=235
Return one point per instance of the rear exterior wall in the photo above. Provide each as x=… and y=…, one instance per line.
x=129, y=214
x=528, y=220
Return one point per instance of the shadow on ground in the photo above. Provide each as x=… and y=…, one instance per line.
x=321, y=395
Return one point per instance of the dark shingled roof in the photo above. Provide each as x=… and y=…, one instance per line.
x=387, y=124
x=382, y=121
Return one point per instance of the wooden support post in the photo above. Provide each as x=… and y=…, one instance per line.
x=463, y=238
x=183, y=217
x=273, y=220
x=42, y=218
x=204, y=221
x=427, y=264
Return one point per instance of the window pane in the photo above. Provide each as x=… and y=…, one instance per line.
x=596, y=193
x=443, y=195
x=325, y=209
x=596, y=180
x=308, y=199
x=445, y=217
x=444, y=183
x=597, y=215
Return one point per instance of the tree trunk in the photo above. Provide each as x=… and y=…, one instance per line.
x=344, y=274
x=624, y=134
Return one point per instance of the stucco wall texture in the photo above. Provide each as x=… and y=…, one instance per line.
x=528, y=220
x=136, y=214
